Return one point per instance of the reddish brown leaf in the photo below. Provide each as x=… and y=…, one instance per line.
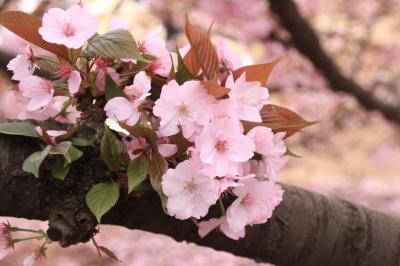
x=203, y=49
x=279, y=119
x=258, y=72
x=215, y=89
x=191, y=62
x=26, y=26
x=143, y=132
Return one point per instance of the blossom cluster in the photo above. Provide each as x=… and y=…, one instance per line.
x=197, y=111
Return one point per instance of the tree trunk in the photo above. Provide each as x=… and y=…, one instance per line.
x=306, y=229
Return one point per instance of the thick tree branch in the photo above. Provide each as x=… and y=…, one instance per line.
x=305, y=39
x=306, y=229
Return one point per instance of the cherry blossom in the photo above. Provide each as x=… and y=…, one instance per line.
x=272, y=150
x=255, y=203
x=53, y=134
x=22, y=65
x=156, y=47
x=249, y=97
x=229, y=59
x=67, y=72
x=181, y=106
x=103, y=70
x=127, y=109
x=71, y=27
x=223, y=147
x=205, y=227
x=38, y=90
x=68, y=115
x=190, y=193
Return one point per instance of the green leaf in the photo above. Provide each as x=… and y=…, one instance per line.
x=47, y=63
x=18, y=128
x=157, y=166
x=59, y=170
x=101, y=198
x=61, y=148
x=81, y=142
x=112, y=89
x=182, y=74
x=111, y=150
x=116, y=44
x=73, y=154
x=33, y=162
x=137, y=172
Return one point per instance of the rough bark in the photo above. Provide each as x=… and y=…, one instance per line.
x=306, y=229
x=306, y=41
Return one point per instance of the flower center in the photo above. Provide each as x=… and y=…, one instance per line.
x=221, y=145
x=247, y=200
x=182, y=109
x=64, y=71
x=191, y=186
x=69, y=30
x=101, y=63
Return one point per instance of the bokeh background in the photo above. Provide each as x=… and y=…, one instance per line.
x=351, y=153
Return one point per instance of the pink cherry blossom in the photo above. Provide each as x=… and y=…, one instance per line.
x=156, y=47
x=223, y=147
x=22, y=65
x=254, y=205
x=69, y=115
x=190, y=193
x=249, y=97
x=71, y=27
x=205, y=227
x=134, y=146
x=271, y=148
x=103, y=70
x=127, y=110
x=231, y=60
x=181, y=106
x=67, y=72
x=53, y=134
x=38, y=90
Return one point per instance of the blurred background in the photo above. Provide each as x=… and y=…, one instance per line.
x=353, y=153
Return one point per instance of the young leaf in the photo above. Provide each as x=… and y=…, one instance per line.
x=279, y=119
x=101, y=198
x=18, y=128
x=33, y=162
x=111, y=150
x=182, y=74
x=59, y=170
x=143, y=132
x=137, y=172
x=191, y=62
x=112, y=90
x=27, y=27
x=215, y=89
x=81, y=142
x=116, y=44
x=258, y=72
x=203, y=49
x=157, y=166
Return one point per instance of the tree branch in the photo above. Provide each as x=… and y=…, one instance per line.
x=305, y=39
x=306, y=229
